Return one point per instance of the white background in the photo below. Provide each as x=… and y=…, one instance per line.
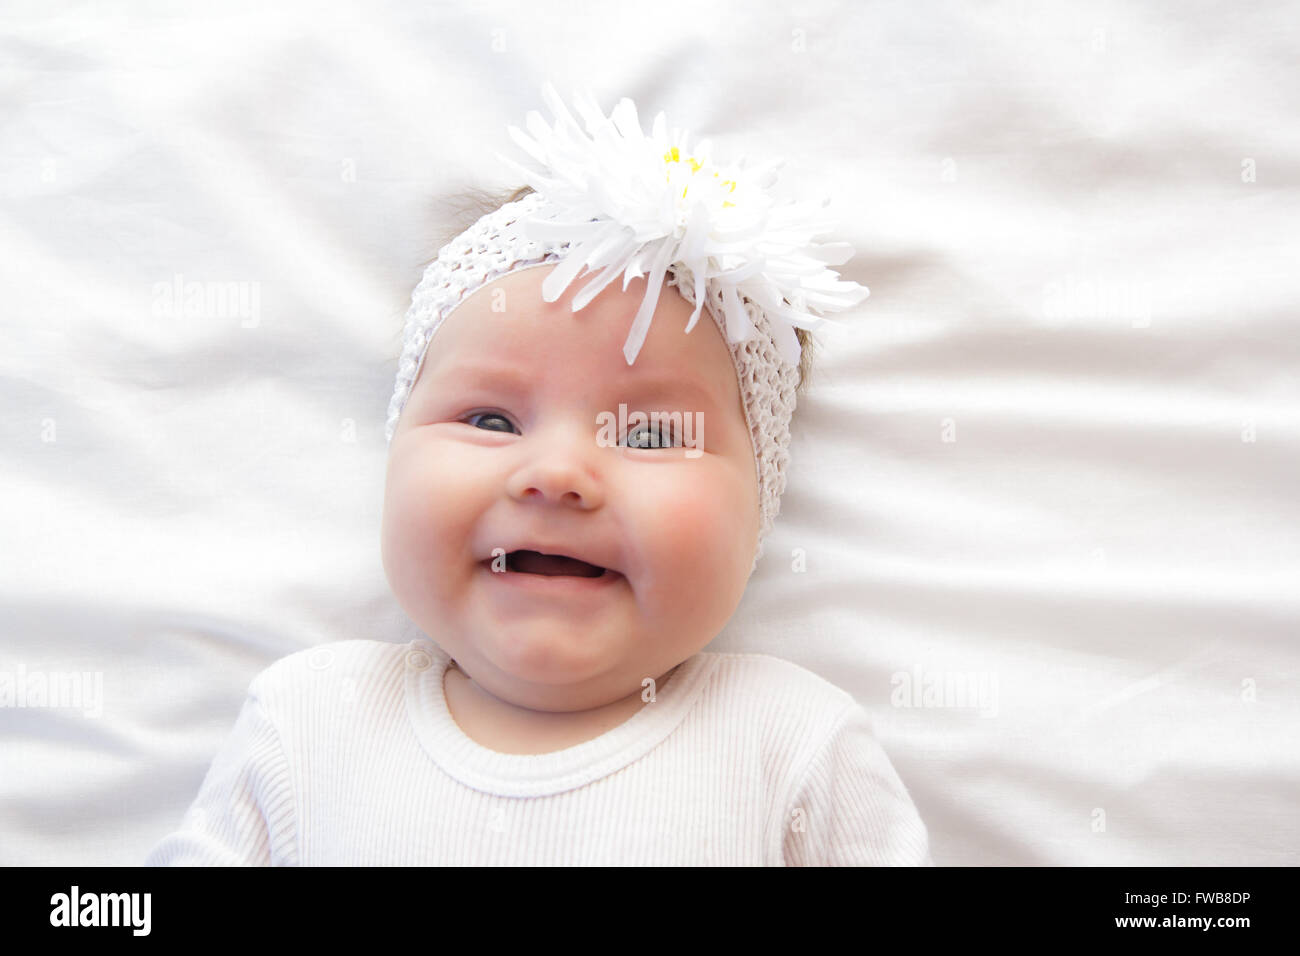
x=1056, y=450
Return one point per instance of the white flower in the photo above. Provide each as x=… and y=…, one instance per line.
x=635, y=204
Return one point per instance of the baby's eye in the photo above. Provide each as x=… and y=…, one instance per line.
x=643, y=436
x=494, y=417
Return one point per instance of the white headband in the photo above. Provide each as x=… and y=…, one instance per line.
x=619, y=202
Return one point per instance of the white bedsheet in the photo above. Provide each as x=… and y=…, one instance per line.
x=1044, y=486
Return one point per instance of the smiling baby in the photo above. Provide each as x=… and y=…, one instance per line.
x=587, y=445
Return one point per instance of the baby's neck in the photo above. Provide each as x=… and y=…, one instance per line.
x=506, y=728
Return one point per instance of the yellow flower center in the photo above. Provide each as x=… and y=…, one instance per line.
x=674, y=156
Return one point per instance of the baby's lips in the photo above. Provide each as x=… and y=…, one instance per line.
x=536, y=563
x=556, y=550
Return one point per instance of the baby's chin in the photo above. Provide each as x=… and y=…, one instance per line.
x=551, y=655
x=550, y=663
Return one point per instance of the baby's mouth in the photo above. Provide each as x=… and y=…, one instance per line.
x=534, y=562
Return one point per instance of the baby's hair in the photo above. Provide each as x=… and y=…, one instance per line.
x=470, y=205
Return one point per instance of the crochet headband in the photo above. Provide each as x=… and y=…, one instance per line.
x=613, y=201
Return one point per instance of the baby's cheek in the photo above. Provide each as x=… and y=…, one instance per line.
x=427, y=519
x=405, y=560
x=702, y=561
x=709, y=526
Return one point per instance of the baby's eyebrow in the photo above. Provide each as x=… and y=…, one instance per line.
x=511, y=377
x=470, y=374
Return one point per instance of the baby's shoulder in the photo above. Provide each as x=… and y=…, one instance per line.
x=781, y=691
x=328, y=667
x=756, y=670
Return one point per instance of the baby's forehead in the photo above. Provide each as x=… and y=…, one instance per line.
x=492, y=361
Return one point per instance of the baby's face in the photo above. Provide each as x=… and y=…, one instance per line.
x=499, y=447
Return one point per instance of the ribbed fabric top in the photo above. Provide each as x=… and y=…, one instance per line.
x=347, y=754
x=537, y=775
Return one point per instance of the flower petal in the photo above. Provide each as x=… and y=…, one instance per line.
x=641, y=324
x=636, y=203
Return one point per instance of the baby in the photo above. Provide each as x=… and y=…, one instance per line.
x=572, y=512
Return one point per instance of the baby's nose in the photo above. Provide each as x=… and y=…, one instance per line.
x=562, y=471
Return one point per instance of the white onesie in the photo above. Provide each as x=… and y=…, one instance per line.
x=346, y=754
